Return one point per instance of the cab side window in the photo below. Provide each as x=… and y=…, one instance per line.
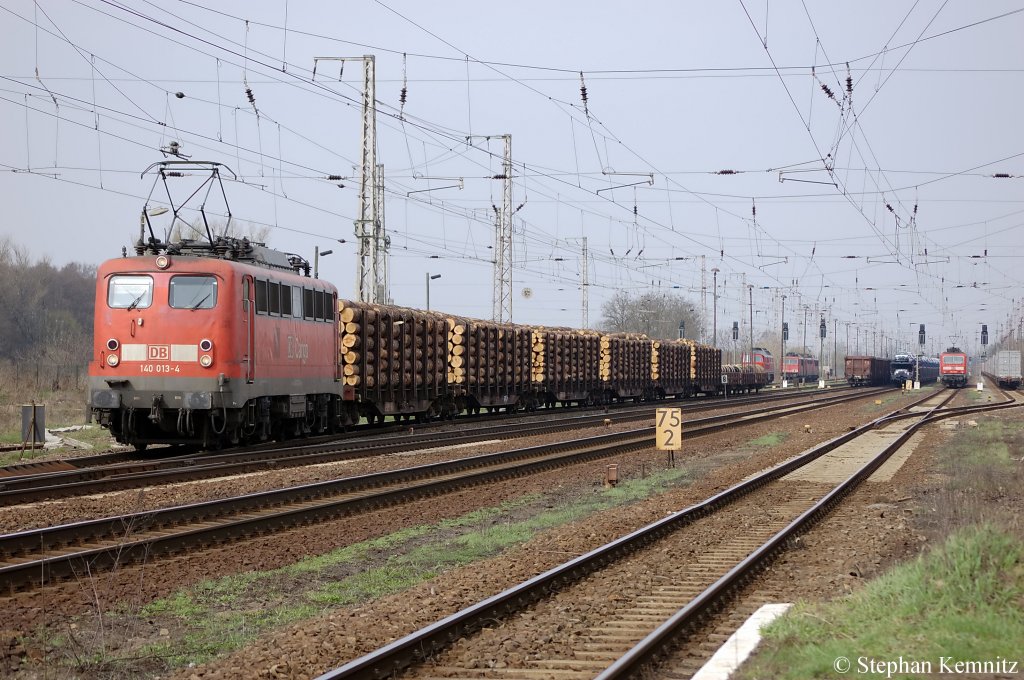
x=286, y=300
x=274, y=297
x=307, y=304
x=261, y=297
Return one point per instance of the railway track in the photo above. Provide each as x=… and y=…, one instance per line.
x=105, y=477
x=41, y=556
x=32, y=467
x=610, y=612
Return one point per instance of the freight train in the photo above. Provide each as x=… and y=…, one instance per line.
x=953, y=367
x=906, y=367
x=227, y=341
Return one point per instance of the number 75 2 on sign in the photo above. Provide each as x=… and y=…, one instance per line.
x=668, y=427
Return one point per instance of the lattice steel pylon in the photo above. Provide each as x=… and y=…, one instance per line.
x=584, y=281
x=381, y=243
x=371, y=283
x=586, y=285
x=502, y=300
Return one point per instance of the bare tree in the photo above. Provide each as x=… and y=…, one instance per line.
x=658, y=315
x=237, y=229
x=45, y=312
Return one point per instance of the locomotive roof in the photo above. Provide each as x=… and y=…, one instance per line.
x=228, y=248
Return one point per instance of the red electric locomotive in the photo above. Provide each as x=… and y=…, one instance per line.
x=213, y=344
x=762, y=358
x=799, y=367
x=953, y=367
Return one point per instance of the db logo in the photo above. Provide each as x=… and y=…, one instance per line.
x=160, y=352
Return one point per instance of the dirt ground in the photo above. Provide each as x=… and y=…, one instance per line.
x=882, y=523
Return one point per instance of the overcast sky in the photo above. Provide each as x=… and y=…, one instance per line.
x=875, y=204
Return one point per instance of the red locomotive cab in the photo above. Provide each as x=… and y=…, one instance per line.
x=762, y=358
x=152, y=319
x=166, y=344
x=210, y=351
x=953, y=365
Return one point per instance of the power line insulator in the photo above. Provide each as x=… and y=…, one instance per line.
x=405, y=85
x=726, y=172
x=334, y=178
x=249, y=94
x=828, y=91
x=583, y=93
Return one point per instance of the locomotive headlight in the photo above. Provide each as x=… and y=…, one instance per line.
x=206, y=361
x=112, y=360
x=205, y=345
x=113, y=344
x=163, y=262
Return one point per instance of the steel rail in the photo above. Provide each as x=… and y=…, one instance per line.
x=20, y=474
x=35, y=557
x=34, y=488
x=668, y=632
x=407, y=650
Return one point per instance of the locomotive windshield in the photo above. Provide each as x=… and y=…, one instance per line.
x=952, y=359
x=193, y=292
x=130, y=292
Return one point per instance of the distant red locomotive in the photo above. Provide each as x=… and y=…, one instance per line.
x=799, y=367
x=191, y=348
x=762, y=358
x=953, y=367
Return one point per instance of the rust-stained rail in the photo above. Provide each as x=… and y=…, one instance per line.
x=39, y=556
x=430, y=640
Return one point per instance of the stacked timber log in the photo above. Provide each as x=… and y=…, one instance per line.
x=704, y=369
x=566, y=362
x=456, y=353
x=670, y=365
x=625, y=363
x=392, y=354
x=490, y=361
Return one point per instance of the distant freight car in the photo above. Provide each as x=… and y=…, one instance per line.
x=865, y=370
x=953, y=367
x=1008, y=369
x=741, y=379
x=906, y=367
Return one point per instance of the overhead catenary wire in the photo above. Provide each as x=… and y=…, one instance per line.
x=579, y=179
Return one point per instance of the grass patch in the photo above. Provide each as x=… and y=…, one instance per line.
x=97, y=437
x=221, y=615
x=769, y=440
x=963, y=600
x=986, y=444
